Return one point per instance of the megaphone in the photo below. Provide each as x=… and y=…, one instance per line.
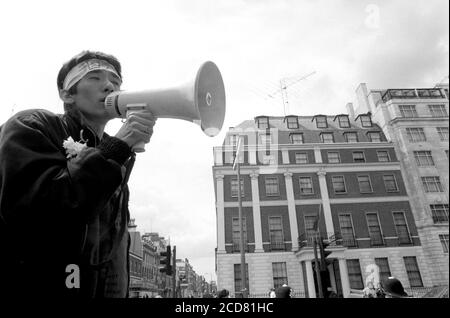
x=201, y=101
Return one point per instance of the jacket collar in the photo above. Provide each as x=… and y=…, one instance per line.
x=78, y=127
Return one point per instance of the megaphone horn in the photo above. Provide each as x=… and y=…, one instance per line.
x=201, y=102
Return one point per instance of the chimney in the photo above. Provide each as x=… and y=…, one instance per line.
x=350, y=111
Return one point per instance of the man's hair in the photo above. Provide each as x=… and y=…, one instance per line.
x=83, y=56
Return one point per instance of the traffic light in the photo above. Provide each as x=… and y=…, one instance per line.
x=164, y=261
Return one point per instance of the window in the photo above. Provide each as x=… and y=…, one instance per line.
x=351, y=136
x=443, y=133
x=373, y=224
x=364, y=184
x=390, y=183
x=272, y=187
x=366, y=121
x=262, y=122
x=321, y=122
x=354, y=274
x=310, y=223
x=438, y=110
x=327, y=138
x=234, y=188
x=358, y=156
x=238, y=286
x=338, y=184
x=279, y=274
x=408, y=110
x=301, y=158
x=334, y=157
x=236, y=234
x=296, y=138
x=401, y=228
x=276, y=233
x=444, y=241
x=374, y=136
x=446, y=153
x=432, y=184
x=415, y=134
x=268, y=160
x=423, y=158
x=233, y=140
x=292, y=122
x=412, y=269
x=383, y=267
x=343, y=121
x=439, y=213
x=265, y=138
x=383, y=156
x=348, y=235
x=306, y=185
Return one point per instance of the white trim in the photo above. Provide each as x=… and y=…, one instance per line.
x=300, y=202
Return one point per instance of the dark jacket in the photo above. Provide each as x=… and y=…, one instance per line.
x=55, y=212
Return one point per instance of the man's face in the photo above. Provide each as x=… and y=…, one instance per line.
x=92, y=90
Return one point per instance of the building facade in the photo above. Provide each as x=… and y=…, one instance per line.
x=416, y=122
x=337, y=171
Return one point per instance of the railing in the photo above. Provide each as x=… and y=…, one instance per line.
x=277, y=246
x=307, y=239
x=439, y=219
x=295, y=294
x=237, y=247
x=377, y=241
x=412, y=93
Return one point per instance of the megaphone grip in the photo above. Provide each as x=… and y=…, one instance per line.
x=139, y=147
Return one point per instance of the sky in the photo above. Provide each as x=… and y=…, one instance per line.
x=322, y=50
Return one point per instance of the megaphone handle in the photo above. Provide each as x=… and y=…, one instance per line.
x=136, y=108
x=139, y=147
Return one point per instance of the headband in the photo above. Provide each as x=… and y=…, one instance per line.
x=81, y=69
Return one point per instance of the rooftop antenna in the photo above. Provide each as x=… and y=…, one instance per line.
x=284, y=84
x=441, y=81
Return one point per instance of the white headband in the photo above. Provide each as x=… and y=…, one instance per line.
x=81, y=69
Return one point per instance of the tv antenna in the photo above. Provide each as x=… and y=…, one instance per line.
x=284, y=84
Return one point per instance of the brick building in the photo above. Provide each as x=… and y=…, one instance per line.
x=415, y=120
x=296, y=168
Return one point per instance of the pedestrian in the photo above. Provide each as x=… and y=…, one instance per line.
x=393, y=288
x=63, y=191
x=224, y=293
x=272, y=293
x=283, y=292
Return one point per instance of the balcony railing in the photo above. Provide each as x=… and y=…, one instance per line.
x=412, y=93
x=307, y=239
x=237, y=247
x=376, y=240
x=277, y=246
x=439, y=219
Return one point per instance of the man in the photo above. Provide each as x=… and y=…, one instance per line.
x=63, y=189
x=393, y=288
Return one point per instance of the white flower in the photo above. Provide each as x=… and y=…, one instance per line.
x=73, y=148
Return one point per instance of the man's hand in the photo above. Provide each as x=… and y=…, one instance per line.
x=137, y=129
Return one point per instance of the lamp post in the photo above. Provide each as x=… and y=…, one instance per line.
x=241, y=227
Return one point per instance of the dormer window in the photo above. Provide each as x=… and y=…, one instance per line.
x=262, y=122
x=374, y=136
x=296, y=138
x=321, y=121
x=351, y=136
x=343, y=121
x=366, y=120
x=233, y=140
x=327, y=137
x=291, y=122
